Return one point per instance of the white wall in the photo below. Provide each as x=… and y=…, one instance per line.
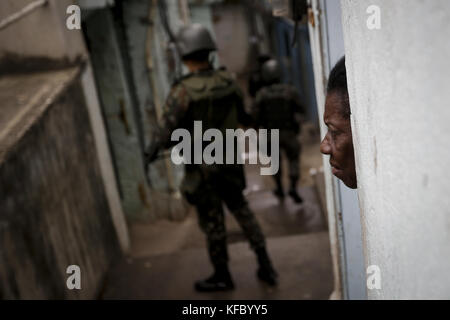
x=398, y=80
x=319, y=51
x=355, y=275
x=327, y=45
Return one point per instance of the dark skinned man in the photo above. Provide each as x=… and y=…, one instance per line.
x=338, y=143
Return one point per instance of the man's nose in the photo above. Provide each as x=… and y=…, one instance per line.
x=325, y=146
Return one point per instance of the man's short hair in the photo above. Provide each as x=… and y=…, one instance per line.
x=337, y=82
x=198, y=56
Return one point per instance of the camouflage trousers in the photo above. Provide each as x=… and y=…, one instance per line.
x=291, y=147
x=208, y=199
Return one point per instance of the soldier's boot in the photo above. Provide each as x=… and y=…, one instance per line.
x=220, y=280
x=266, y=272
x=279, y=190
x=293, y=191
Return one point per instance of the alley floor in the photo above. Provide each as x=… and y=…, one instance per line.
x=168, y=256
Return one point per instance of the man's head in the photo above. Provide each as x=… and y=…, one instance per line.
x=338, y=142
x=195, y=44
x=271, y=72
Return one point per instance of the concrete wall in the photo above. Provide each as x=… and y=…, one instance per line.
x=146, y=48
x=104, y=157
x=398, y=85
x=58, y=194
x=318, y=36
x=42, y=33
x=54, y=209
x=355, y=273
x=117, y=103
x=40, y=40
x=165, y=176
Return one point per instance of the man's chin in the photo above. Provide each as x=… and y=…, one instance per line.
x=350, y=183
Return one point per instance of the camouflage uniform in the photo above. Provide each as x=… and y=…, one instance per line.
x=277, y=107
x=213, y=97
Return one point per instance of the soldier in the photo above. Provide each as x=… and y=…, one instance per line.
x=278, y=106
x=213, y=97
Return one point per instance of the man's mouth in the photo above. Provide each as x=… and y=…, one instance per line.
x=335, y=169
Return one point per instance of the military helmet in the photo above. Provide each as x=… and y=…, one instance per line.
x=194, y=38
x=271, y=71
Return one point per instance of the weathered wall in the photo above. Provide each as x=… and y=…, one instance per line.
x=398, y=85
x=43, y=32
x=144, y=57
x=162, y=71
x=54, y=211
x=117, y=104
x=40, y=41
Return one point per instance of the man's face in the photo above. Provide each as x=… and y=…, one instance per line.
x=338, y=142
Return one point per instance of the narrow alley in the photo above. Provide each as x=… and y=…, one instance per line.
x=224, y=150
x=166, y=256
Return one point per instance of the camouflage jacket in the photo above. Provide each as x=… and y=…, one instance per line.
x=210, y=96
